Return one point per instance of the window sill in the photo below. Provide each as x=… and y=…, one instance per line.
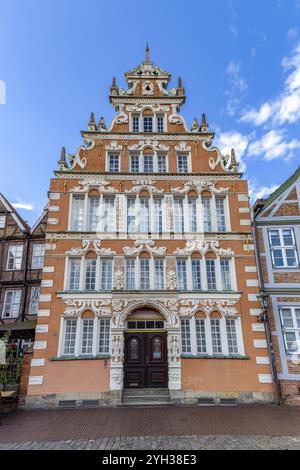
x=79, y=358
x=216, y=356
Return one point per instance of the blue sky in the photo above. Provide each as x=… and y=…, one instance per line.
x=239, y=61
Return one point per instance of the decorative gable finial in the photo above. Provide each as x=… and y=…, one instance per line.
x=204, y=124
x=91, y=124
x=62, y=161
x=147, y=54
x=180, y=89
x=195, y=125
x=102, y=125
x=233, y=161
x=114, y=87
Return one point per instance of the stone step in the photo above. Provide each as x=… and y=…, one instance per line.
x=147, y=392
x=143, y=398
x=145, y=404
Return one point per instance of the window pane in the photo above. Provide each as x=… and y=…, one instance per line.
x=134, y=163
x=145, y=273
x=34, y=300
x=185, y=335
x=206, y=214
x=131, y=213
x=157, y=214
x=220, y=208
x=93, y=214
x=106, y=274
x=200, y=335
x=231, y=337
x=216, y=336
x=15, y=256
x=70, y=337
x=278, y=258
x=77, y=218
x=38, y=252
x=114, y=163
x=196, y=268
x=159, y=274
x=2, y=221
x=275, y=238
x=288, y=237
x=104, y=334
x=291, y=257
x=225, y=274
x=181, y=274
x=109, y=214
x=192, y=203
x=90, y=274
x=297, y=314
x=11, y=306
x=287, y=317
x=130, y=274
x=87, y=336
x=162, y=163
x=179, y=217
x=135, y=124
x=211, y=274
x=148, y=163
x=74, y=274
x=148, y=124
x=182, y=163
x=144, y=215
x=291, y=342
x=160, y=124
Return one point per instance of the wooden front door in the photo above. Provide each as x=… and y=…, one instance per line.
x=145, y=364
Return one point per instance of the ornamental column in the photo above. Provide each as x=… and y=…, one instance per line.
x=117, y=359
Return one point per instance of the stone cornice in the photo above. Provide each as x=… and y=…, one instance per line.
x=67, y=235
x=153, y=176
x=203, y=136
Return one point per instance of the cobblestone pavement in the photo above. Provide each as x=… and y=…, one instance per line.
x=182, y=427
x=165, y=443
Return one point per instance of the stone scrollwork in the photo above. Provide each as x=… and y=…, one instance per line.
x=171, y=279
x=75, y=307
x=92, y=245
x=174, y=118
x=118, y=279
x=182, y=147
x=75, y=159
x=173, y=348
x=222, y=160
x=144, y=245
x=203, y=246
x=117, y=348
x=199, y=186
x=143, y=184
x=122, y=117
x=94, y=182
x=113, y=145
x=149, y=143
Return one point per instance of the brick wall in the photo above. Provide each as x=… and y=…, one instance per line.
x=288, y=277
x=24, y=378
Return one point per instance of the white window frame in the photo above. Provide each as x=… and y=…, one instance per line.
x=295, y=329
x=283, y=247
x=113, y=154
x=40, y=256
x=2, y=221
x=14, y=292
x=19, y=248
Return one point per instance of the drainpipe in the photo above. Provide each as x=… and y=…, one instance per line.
x=25, y=283
x=263, y=317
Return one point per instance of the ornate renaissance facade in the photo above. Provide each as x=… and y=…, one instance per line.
x=150, y=278
x=277, y=228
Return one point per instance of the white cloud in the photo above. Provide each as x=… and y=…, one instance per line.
x=286, y=107
x=257, y=191
x=273, y=145
x=238, y=86
x=23, y=205
x=292, y=33
x=229, y=140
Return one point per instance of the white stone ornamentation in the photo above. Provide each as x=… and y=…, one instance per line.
x=144, y=245
x=91, y=245
x=199, y=186
x=154, y=144
x=171, y=283
x=222, y=160
x=174, y=118
x=203, y=246
x=75, y=307
x=94, y=182
x=118, y=279
x=143, y=185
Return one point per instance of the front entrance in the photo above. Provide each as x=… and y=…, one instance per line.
x=145, y=364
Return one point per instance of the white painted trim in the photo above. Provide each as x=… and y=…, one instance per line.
x=252, y=282
x=48, y=269
x=262, y=360
x=265, y=378
x=41, y=329
x=43, y=313
x=35, y=380
x=250, y=269
x=37, y=362
x=40, y=345
x=260, y=343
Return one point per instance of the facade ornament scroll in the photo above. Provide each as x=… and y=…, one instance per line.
x=222, y=160
x=203, y=246
x=75, y=307
x=171, y=281
x=91, y=245
x=144, y=245
x=149, y=143
x=75, y=159
x=174, y=118
x=122, y=117
x=94, y=182
x=138, y=108
x=173, y=349
x=199, y=186
x=113, y=145
x=143, y=184
x=132, y=87
x=164, y=91
x=224, y=307
x=182, y=147
x=118, y=279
